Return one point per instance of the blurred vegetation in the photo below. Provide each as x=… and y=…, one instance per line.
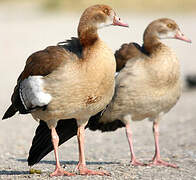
x=125, y=5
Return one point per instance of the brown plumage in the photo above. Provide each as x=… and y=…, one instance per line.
x=148, y=86
x=126, y=52
x=72, y=80
x=87, y=36
x=42, y=62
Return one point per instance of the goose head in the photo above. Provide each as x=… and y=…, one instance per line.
x=94, y=18
x=164, y=28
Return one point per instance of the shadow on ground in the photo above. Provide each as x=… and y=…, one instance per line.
x=7, y=172
x=71, y=162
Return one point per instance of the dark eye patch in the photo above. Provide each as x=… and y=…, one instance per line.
x=106, y=11
x=171, y=26
x=99, y=17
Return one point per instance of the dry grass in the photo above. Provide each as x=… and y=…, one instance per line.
x=126, y=5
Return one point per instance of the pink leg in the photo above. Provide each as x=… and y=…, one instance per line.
x=157, y=158
x=83, y=170
x=58, y=170
x=134, y=162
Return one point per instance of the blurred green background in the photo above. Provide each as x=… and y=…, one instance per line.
x=186, y=6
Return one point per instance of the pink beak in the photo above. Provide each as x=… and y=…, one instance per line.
x=117, y=22
x=182, y=37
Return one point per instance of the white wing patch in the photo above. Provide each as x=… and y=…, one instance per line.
x=32, y=93
x=116, y=74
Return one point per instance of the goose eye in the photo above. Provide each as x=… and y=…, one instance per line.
x=169, y=25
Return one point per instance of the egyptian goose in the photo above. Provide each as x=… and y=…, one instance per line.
x=74, y=79
x=148, y=86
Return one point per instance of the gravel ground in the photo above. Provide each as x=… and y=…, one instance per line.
x=24, y=31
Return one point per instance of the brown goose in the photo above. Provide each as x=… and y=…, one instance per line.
x=65, y=81
x=148, y=86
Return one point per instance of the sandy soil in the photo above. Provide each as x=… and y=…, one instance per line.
x=23, y=31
